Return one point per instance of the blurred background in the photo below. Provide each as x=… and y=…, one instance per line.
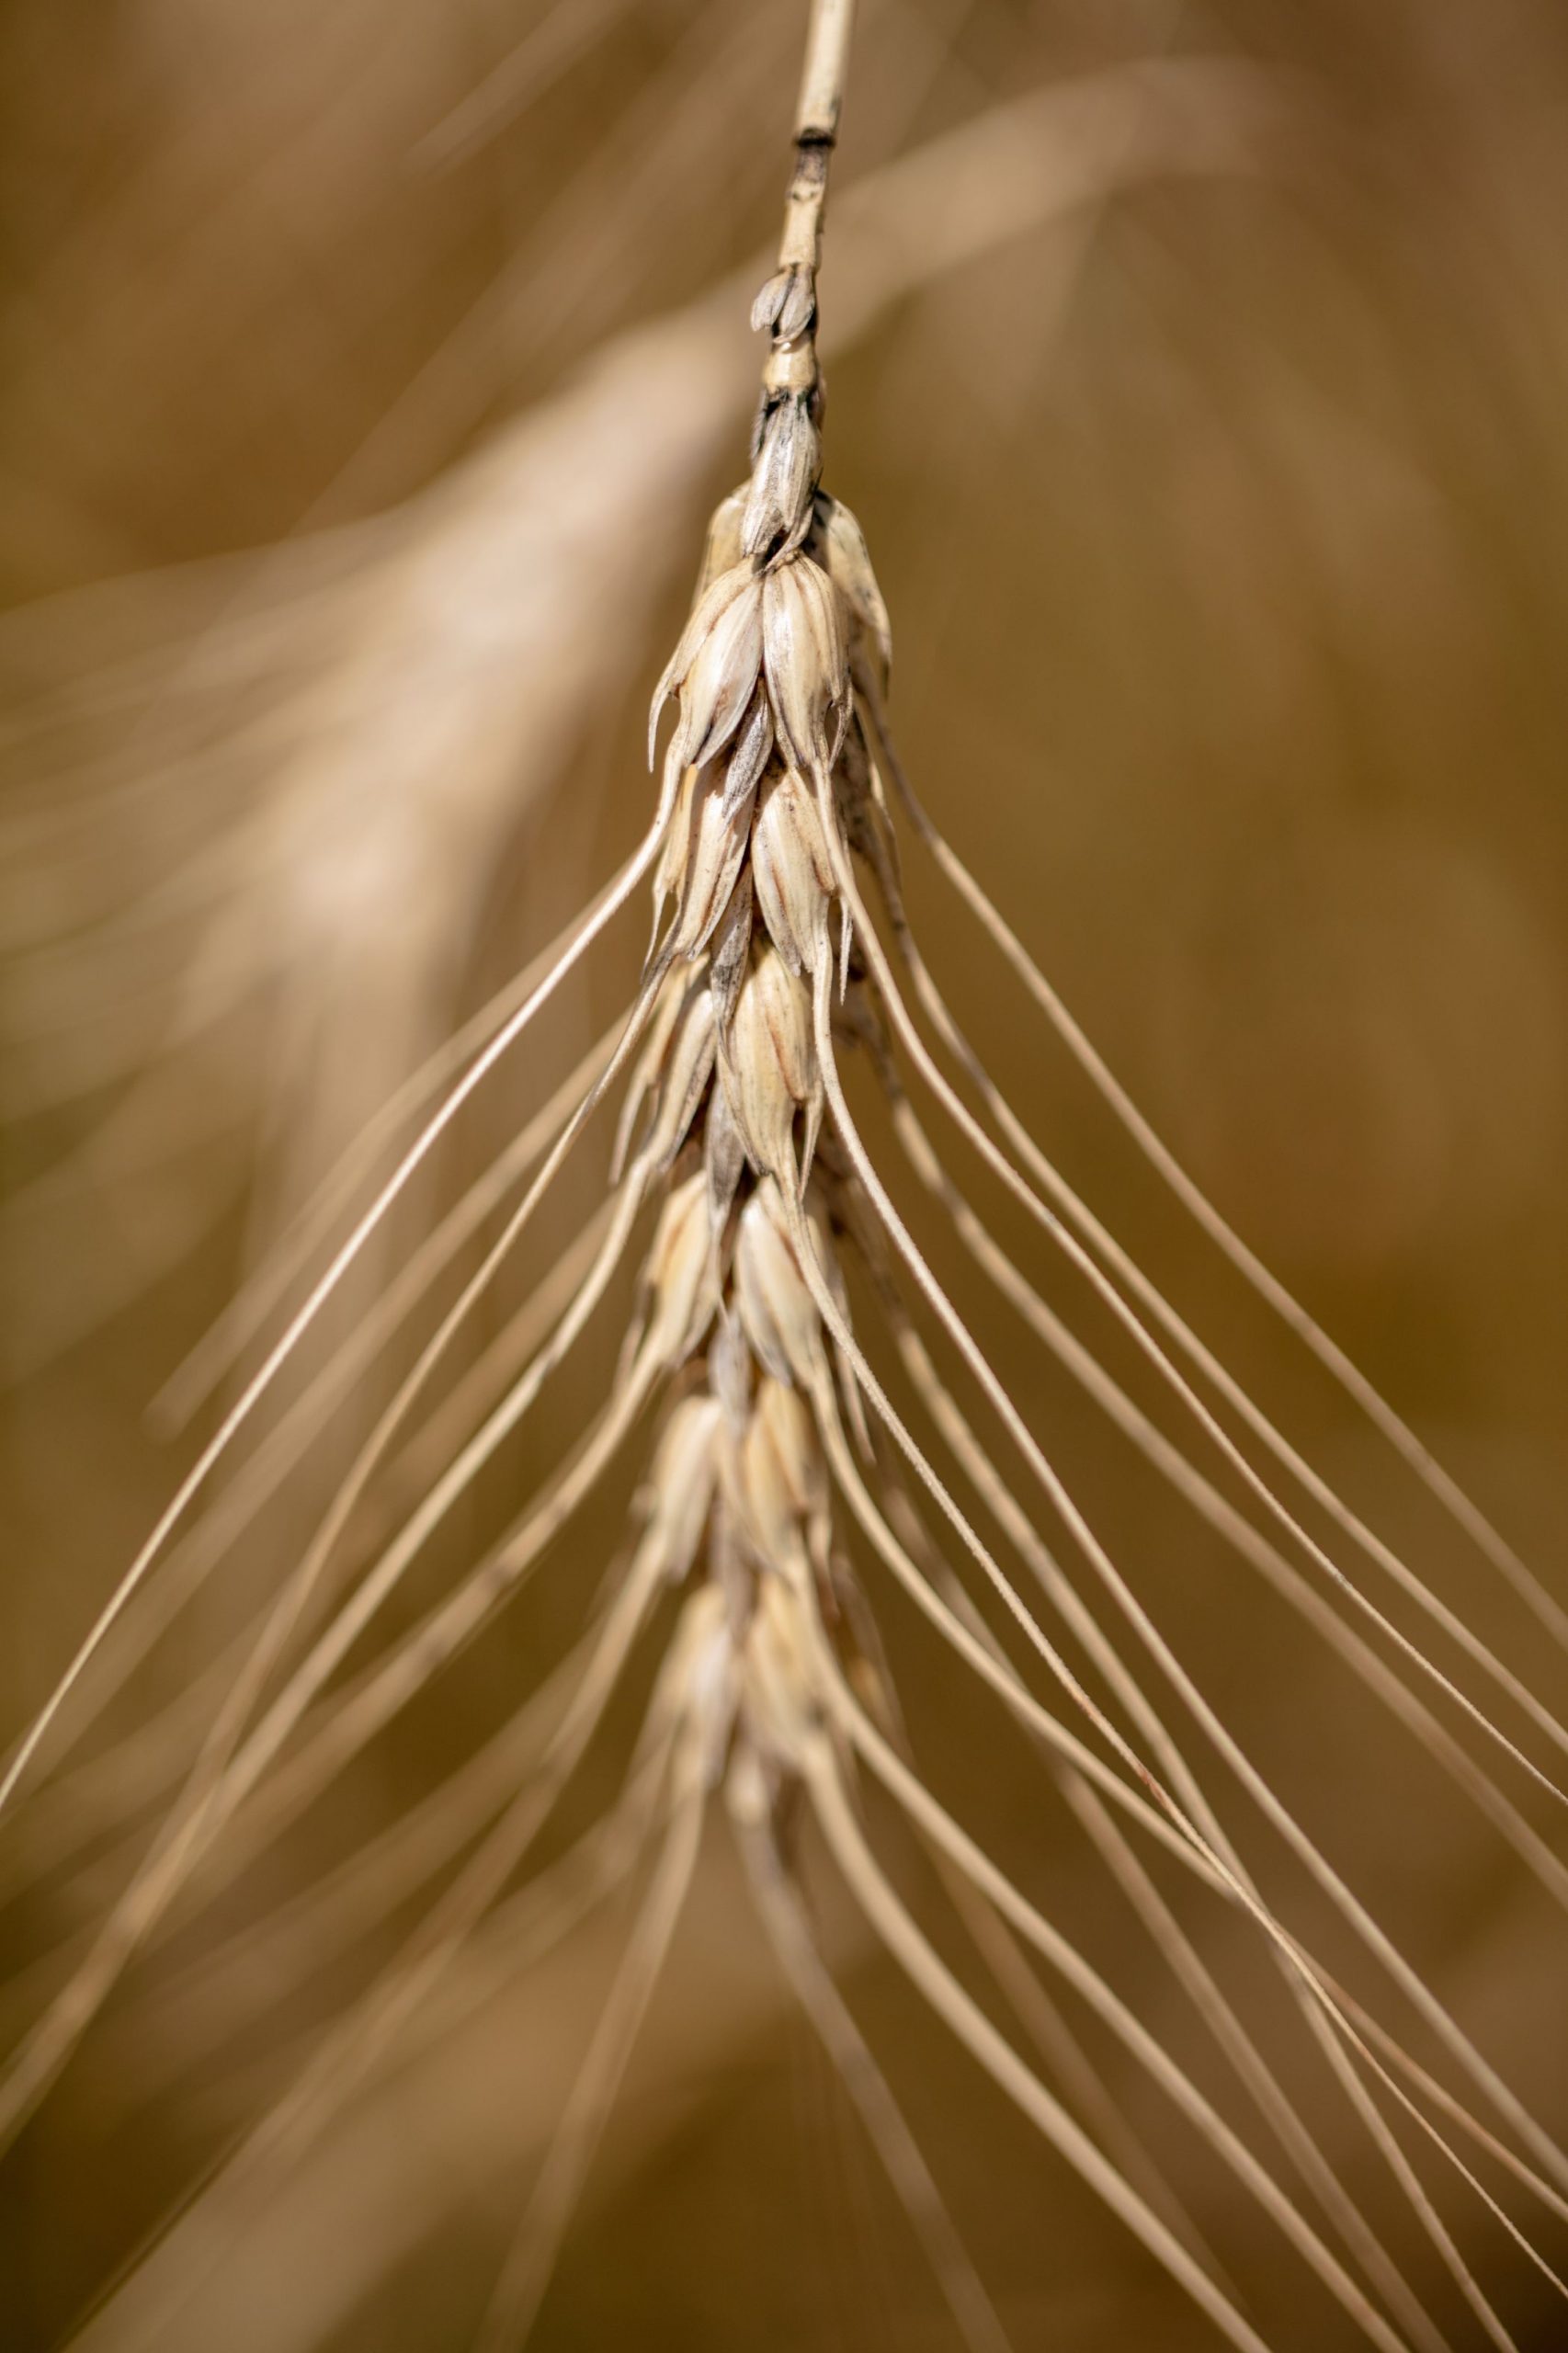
x=1199, y=374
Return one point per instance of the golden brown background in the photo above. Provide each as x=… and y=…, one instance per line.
x=368, y=369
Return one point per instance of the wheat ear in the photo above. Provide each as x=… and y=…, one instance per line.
x=792, y=1441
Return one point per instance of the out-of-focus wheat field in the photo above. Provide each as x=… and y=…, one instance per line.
x=1199, y=375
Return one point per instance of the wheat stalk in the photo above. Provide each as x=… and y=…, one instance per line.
x=770, y=987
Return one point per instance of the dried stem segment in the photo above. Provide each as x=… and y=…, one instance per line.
x=822, y=77
x=788, y=303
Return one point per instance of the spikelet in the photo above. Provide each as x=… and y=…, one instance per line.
x=791, y=871
x=778, y=512
x=807, y=669
x=769, y=1070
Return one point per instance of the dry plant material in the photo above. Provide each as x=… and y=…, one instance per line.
x=781, y=959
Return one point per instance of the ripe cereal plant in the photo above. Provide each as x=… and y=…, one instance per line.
x=828, y=1446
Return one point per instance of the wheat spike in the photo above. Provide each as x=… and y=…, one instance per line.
x=811, y=1398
